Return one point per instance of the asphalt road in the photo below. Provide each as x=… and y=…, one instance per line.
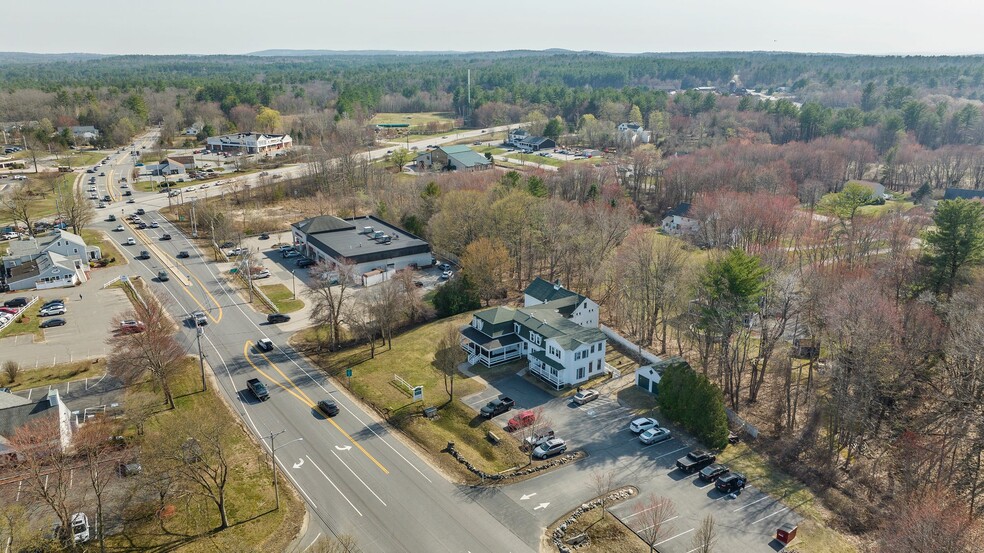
x=354, y=475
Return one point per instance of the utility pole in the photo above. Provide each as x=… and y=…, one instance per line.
x=273, y=455
x=201, y=357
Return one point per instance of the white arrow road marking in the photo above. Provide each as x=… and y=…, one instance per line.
x=525, y=497
x=541, y=506
x=343, y=447
x=298, y=464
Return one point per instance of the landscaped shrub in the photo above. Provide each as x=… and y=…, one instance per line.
x=691, y=400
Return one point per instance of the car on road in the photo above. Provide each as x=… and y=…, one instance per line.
x=258, y=388
x=549, y=448
x=584, y=396
x=654, y=435
x=131, y=241
x=131, y=201
x=141, y=225
x=119, y=228
x=328, y=407
x=101, y=205
x=153, y=224
x=162, y=276
x=141, y=211
x=53, y=322
x=51, y=310
x=16, y=302
x=102, y=174
x=199, y=318
x=642, y=424
x=731, y=482
x=183, y=255
x=263, y=344
x=273, y=318
x=165, y=236
x=144, y=254
x=304, y=262
x=263, y=236
x=131, y=326
x=111, y=218
x=711, y=473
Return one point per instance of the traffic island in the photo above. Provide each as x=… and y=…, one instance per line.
x=571, y=532
x=513, y=476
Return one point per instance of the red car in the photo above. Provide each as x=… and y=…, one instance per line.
x=132, y=327
x=11, y=310
x=522, y=420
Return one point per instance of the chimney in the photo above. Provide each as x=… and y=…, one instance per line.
x=557, y=285
x=53, y=397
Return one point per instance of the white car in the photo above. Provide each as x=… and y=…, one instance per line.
x=130, y=241
x=261, y=274
x=56, y=309
x=119, y=228
x=80, y=528
x=643, y=424
x=153, y=224
x=10, y=236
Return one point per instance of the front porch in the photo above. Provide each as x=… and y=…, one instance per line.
x=548, y=370
x=489, y=351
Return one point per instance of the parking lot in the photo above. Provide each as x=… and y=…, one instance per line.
x=746, y=522
x=84, y=398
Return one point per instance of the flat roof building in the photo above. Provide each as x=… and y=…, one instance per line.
x=249, y=142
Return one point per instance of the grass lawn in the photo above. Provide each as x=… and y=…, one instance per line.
x=411, y=358
x=533, y=158
x=44, y=206
x=813, y=535
x=56, y=374
x=83, y=159
x=27, y=323
x=280, y=295
x=108, y=248
x=903, y=205
x=412, y=119
x=249, y=492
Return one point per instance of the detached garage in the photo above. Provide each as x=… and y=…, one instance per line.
x=647, y=378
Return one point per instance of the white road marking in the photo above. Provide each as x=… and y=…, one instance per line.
x=783, y=510
x=527, y=496
x=360, y=479
x=334, y=486
x=299, y=463
x=541, y=506
x=752, y=503
x=316, y=538
x=660, y=522
x=670, y=439
x=671, y=452
x=674, y=537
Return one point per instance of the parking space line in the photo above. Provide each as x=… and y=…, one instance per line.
x=670, y=439
x=674, y=537
x=752, y=503
x=640, y=512
x=671, y=452
x=706, y=486
x=783, y=510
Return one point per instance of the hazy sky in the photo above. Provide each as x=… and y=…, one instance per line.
x=240, y=26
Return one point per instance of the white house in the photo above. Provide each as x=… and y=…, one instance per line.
x=516, y=136
x=249, y=142
x=83, y=132
x=676, y=222
x=556, y=331
x=56, y=260
x=175, y=165
x=364, y=244
x=17, y=412
x=633, y=133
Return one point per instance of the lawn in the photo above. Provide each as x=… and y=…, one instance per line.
x=26, y=324
x=106, y=246
x=412, y=119
x=56, y=374
x=533, y=158
x=83, y=159
x=411, y=359
x=44, y=206
x=249, y=492
x=281, y=296
x=813, y=535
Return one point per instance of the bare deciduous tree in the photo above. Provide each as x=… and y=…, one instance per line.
x=655, y=514
x=448, y=357
x=331, y=282
x=704, y=537
x=19, y=206
x=603, y=482
x=11, y=369
x=94, y=450
x=74, y=207
x=153, y=351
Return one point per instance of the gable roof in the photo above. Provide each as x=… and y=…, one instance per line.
x=546, y=291
x=682, y=209
x=34, y=246
x=963, y=193
x=467, y=159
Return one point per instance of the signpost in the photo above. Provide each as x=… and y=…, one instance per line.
x=348, y=374
x=418, y=393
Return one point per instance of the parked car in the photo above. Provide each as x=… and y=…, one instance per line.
x=654, y=435
x=291, y=253
x=264, y=344
x=304, y=262
x=711, y=473
x=80, y=528
x=584, y=396
x=227, y=244
x=695, y=460
x=551, y=447
x=731, y=482
x=273, y=318
x=642, y=424
x=49, y=303
x=328, y=407
x=53, y=322
x=129, y=469
x=9, y=310
x=16, y=302
x=55, y=309
x=497, y=407
x=235, y=252
x=521, y=420
x=131, y=326
x=538, y=438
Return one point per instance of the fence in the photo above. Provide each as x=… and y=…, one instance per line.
x=627, y=344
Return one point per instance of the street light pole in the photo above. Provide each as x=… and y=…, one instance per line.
x=201, y=357
x=273, y=455
x=293, y=286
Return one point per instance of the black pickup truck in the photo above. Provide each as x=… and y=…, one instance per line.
x=695, y=460
x=258, y=388
x=497, y=407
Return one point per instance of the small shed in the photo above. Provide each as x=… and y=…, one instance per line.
x=647, y=378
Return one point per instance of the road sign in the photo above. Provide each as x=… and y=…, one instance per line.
x=124, y=278
x=348, y=373
x=418, y=393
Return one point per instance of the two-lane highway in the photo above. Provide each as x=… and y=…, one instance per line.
x=354, y=475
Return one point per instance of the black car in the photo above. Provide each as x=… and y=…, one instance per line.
x=165, y=236
x=16, y=302
x=227, y=244
x=305, y=262
x=711, y=473
x=53, y=322
x=264, y=236
x=731, y=483
x=277, y=318
x=49, y=303
x=328, y=407
x=183, y=255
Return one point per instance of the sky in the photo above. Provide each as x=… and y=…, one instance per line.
x=629, y=26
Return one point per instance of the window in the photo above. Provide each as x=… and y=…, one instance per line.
x=592, y=348
x=580, y=373
x=516, y=328
x=535, y=338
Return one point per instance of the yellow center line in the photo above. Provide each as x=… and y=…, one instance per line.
x=307, y=401
x=271, y=379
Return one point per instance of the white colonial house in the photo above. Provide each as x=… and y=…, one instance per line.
x=633, y=133
x=56, y=260
x=249, y=142
x=677, y=223
x=556, y=331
